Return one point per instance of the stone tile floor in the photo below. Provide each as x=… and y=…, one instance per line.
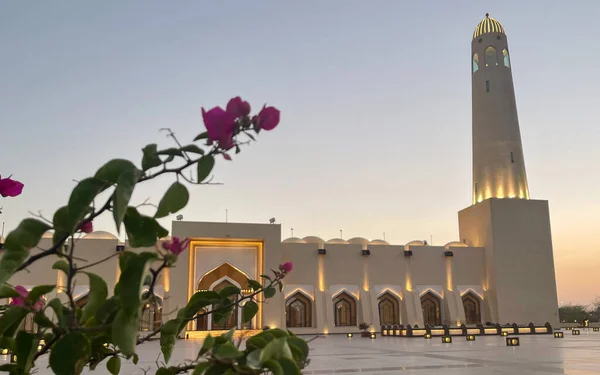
x=336, y=354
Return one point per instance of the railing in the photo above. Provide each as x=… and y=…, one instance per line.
x=463, y=330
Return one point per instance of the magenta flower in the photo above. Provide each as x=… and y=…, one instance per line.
x=10, y=187
x=219, y=125
x=20, y=300
x=268, y=118
x=238, y=107
x=176, y=245
x=87, y=227
x=286, y=267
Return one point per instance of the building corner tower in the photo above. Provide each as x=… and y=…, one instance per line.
x=518, y=280
x=498, y=163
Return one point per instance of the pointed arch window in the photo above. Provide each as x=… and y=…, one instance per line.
x=475, y=62
x=151, y=314
x=491, y=56
x=472, y=307
x=233, y=317
x=298, y=311
x=389, y=309
x=344, y=310
x=430, y=305
x=506, y=58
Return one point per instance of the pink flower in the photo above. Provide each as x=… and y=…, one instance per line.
x=20, y=300
x=238, y=107
x=10, y=187
x=268, y=118
x=176, y=245
x=286, y=267
x=220, y=125
x=87, y=227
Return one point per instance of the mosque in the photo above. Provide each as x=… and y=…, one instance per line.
x=500, y=269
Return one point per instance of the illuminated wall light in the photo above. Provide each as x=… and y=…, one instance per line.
x=449, y=273
x=167, y=279
x=408, y=278
x=427, y=336
x=325, y=331
x=349, y=335
x=321, y=268
x=5, y=352
x=576, y=332
x=596, y=329
x=366, y=276
x=504, y=333
x=373, y=336
x=470, y=337
x=512, y=341
x=558, y=335
x=447, y=339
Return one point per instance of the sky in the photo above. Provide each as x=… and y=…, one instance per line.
x=375, y=100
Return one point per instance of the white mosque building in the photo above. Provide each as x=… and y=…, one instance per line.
x=500, y=269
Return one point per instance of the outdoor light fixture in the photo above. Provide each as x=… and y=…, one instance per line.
x=470, y=337
x=569, y=328
x=349, y=335
x=427, y=336
x=373, y=336
x=575, y=332
x=120, y=248
x=558, y=335
x=396, y=332
x=512, y=341
x=366, y=252
x=322, y=251
x=448, y=253
x=41, y=345
x=447, y=339
x=504, y=333
x=407, y=253
x=384, y=332
x=586, y=322
x=5, y=352
x=105, y=345
x=596, y=329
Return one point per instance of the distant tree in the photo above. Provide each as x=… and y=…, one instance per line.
x=594, y=311
x=573, y=313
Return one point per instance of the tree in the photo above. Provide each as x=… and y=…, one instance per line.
x=572, y=313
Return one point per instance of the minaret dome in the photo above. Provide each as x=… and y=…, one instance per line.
x=488, y=25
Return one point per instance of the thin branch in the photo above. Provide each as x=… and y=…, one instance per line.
x=77, y=269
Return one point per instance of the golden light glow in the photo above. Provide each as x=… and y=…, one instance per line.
x=366, y=276
x=449, y=273
x=60, y=281
x=326, y=331
x=167, y=279
x=200, y=335
x=321, y=266
x=222, y=242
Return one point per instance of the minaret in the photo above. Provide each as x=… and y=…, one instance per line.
x=498, y=164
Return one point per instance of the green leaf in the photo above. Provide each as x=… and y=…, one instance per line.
x=25, y=349
x=267, y=277
x=82, y=197
x=277, y=332
x=150, y=158
x=125, y=185
x=301, y=345
x=269, y=292
x=205, y=166
x=7, y=291
x=7, y=343
x=226, y=352
x=256, y=342
x=56, y=305
x=135, y=359
x=168, y=335
x=11, y=320
x=106, y=310
x=274, y=367
x=38, y=291
x=113, y=365
x=111, y=171
x=96, y=296
x=222, y=313
x=61, y=265
x=253, y=359
x=201, y=368
x=171, y=151
x=207, y=345
x=70, y=354
x=142, y=231
x=131, y=281
x=289, y=367
x=229, y=290
x=165, y=371
x=176, y=198
x=249, y=311
x=193, y=148
x=125, y=331
x=272, y=350
x=199, y=300
x=63, y=223
x=42, y=321
x=201, y=136
x=255, y=285
x=17, y=245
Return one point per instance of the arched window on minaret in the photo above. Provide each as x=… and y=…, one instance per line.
x=475, y=62
x=491, y=57
x=506, y=58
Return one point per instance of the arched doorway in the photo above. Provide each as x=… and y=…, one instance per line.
x=430, y=303
x=344, y=310
x=217, y=279
x=151, y=314
x=472, y=306
x=389, y=309
x=298, y=311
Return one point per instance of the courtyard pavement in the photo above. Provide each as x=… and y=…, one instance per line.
x=336, y=354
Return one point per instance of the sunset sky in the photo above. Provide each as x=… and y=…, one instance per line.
x=376, y=110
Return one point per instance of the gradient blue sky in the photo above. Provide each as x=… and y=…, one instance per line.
x=375, y=98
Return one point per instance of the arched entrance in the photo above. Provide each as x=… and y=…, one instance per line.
x=215, y=280
x=298, y=311
x=389, y=309
x=430, y=303
x=472, y=306
x=151, y=314
x=344, y=310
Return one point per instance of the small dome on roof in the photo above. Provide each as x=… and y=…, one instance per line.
x=358, y=241
x=378, y=242
x=48, y=234
x=488, y=25
x=168, y=238
x=314, y=239
x=337, y=241
x=100, y=235
x=294, y=240
x=455, y=244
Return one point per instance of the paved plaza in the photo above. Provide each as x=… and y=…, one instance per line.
x=336, y=354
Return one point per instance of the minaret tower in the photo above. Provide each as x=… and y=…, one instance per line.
x=498, y=164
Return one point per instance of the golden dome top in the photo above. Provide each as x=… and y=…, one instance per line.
x=488, y=25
